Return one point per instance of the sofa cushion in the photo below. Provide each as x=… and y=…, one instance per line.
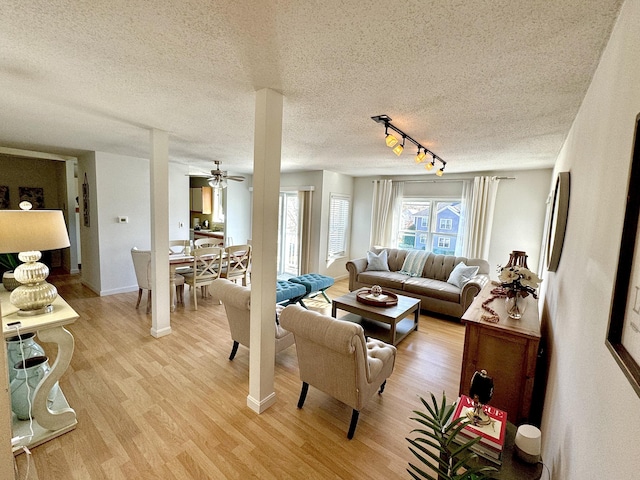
x=384, y=279
x=377, y=262
x=432, y=288
x=414, y=263
x=461, y=274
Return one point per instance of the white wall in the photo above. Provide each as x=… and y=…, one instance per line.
x=590, y=426
x=119, y=186
x=238, y=210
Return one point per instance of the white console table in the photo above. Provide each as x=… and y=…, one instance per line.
x=60, y=418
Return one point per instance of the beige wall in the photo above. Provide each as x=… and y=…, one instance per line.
x=590, y=426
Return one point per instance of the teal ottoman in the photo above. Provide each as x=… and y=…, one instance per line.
x=315, y=284
x=288, y=293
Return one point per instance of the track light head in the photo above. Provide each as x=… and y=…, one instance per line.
x=420, y=156
x=440, y=172
x=398, y=149
x=430, y=165
x=391, y=140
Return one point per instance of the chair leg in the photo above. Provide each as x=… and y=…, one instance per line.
x=382, y=387
x=325, y=296
x=234, y=350
x=354, y=423
x=303, y=394
x=139, y=297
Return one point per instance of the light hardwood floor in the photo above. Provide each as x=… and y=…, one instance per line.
x=175, y=407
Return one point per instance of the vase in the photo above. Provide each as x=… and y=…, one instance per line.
x=17, y=352
x=29, y=373
x=516, y=305
x=9, y=281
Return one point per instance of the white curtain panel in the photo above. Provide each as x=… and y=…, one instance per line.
x=479, y=218
x=387, y=197
x=380, y=211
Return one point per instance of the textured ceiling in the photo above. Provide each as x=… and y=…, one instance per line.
x=485, y=84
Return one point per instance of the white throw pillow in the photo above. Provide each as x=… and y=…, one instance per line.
x=461, y=274
x=377, y=262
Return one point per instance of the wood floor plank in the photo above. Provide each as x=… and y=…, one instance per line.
x=175, y=407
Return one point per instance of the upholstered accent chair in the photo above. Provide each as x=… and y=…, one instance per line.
x=237, y=304
x=142, y=266
x=334, y=357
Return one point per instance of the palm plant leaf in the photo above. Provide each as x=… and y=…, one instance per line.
x=443, y=457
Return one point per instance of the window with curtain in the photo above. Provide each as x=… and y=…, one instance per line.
x=430, y=224
x=339, y=210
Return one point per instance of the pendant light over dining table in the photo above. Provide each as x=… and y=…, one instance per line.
x=398, y=147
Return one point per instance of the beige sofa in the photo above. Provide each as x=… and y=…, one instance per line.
x=431, y=287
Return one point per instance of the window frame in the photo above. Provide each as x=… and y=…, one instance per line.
x=333, y=254
x=433, y=228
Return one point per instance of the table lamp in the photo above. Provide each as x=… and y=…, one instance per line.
x=29, y=232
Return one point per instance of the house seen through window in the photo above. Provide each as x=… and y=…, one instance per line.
x=429, y=224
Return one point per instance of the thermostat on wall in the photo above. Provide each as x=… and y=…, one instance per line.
x=123, y=219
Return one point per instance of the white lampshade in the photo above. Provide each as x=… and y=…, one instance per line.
x=26, y=230
x=528, y=443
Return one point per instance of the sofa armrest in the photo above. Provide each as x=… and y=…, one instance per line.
x=354, y=267
x=471, y=289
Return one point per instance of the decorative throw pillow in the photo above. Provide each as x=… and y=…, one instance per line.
x=377, y=262
x=461, y=274
x=414, y=263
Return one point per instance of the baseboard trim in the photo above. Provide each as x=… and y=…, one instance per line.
x=260, y=406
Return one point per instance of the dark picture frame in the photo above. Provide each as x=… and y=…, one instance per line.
x=623, y=333
x=33, y=195
x=4, y=197
x=85, y=202
x=558, y=220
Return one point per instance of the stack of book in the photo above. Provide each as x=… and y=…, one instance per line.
x=491, y=436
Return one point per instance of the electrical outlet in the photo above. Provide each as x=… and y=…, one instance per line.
x=123, y=219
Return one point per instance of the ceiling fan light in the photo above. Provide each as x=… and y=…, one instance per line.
x=391, y=140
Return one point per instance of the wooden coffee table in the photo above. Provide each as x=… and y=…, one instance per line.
x=389, y=324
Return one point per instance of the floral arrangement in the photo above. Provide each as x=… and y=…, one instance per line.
x=519, y=280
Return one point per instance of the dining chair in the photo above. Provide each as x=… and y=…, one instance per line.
x=142, y=266
x=206, y=242
x=237, y=263
x=206, y=268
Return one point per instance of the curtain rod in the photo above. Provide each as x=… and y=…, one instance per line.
x=446, y=180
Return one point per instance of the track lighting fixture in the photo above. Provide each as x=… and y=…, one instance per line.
x=392, y=142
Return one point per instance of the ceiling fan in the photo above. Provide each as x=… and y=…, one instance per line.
x=218, y=178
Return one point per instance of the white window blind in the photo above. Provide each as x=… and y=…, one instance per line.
x=339, y=208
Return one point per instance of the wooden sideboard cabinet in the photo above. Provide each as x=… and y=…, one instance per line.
x=507, y=350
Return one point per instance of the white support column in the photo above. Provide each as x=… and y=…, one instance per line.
x=266, y=188
x=160, y=312
x=6, y=456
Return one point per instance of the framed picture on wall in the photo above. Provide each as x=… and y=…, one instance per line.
x=33, y=195
x=4, y=197
x=623, y=335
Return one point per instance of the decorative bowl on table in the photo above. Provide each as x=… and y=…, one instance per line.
x=377, y=298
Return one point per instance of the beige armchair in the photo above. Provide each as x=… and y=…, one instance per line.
x=334, y=357
x=237, y=304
